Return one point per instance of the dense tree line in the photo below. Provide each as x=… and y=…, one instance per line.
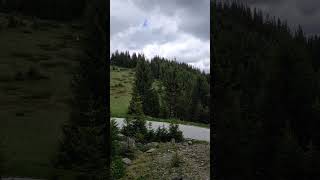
x=123, y=59
x=266, y=96
x=167, y=88
x=49, y=9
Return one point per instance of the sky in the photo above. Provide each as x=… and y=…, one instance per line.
x=177, y=29
x=303, y=12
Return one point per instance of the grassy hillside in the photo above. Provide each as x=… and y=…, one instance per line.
x=120, y=95
x=120, y=90
x=36, y=62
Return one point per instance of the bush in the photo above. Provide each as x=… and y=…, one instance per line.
x=135, y=128
x=117, y=168
x=114, y=131
x=175, y=133
x=150, y=136
x=162, y=134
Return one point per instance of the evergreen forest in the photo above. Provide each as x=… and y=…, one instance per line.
x=266, y=96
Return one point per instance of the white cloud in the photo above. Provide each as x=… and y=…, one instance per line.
x=169, y=32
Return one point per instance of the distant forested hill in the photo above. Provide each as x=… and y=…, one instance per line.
x=266, y=96
x=167, y=89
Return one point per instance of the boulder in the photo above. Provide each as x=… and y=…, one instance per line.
x=131, y=143
x=126, y=161
x=151, y=150
x=153, y=145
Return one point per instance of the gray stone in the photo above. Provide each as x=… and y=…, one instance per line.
x=153, y=145
x=131, y=143
x=151, y=150
x=126, y=161
x=173, y=141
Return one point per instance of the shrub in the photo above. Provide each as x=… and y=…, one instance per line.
x=117, y=168
x=175, y=133
x=135, y=128
x=150, y=136
x=162, y=134
x=114, y=131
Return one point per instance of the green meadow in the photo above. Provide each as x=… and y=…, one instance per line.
x=121, y=82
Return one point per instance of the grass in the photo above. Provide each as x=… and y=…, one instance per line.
x=120, y=90
x=34, y=107
x=120, y=95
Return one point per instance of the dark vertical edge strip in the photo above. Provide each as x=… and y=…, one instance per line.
x=107, y=84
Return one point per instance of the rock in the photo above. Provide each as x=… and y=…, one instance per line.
x=131, y=143
x=185, y=144
x=126, y=161
x=153, y=145
x=189, y=142
x=173, y=141
x=151, y=150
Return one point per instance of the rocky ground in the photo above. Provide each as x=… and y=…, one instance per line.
x=168, y=161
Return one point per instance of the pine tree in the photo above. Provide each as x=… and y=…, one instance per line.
x=83, y=147
x=117, y=166
x=143, y=83
x=135, y=107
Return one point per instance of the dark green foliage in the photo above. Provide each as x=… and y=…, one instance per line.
x=162, y=134
x=114, y=135
x=153, y=103
x=135, y=106
x=175, y=133
x=150, y=136
x=168, y=89
x=123, y=59
x=117, y=168
x=288, y=159
x=266, y=83
x=136, y=128
x=83, y=147
x=142, y=85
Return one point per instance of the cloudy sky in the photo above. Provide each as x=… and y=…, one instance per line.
x=169, y=28
x=303, y=12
